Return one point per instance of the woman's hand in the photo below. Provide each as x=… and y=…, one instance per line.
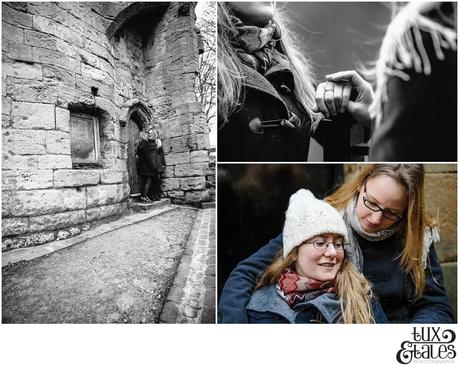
x=333, y=96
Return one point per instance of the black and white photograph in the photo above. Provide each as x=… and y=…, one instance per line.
x=108, y=175
x=328, y=81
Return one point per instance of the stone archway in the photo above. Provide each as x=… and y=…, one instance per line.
x=137, y=119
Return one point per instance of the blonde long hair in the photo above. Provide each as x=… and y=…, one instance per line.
x=412, y=226
x=351, y=286
x=230, y=94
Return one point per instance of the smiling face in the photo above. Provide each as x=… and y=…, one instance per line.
x=319, y=264
x=253, y=13
x=389, y=195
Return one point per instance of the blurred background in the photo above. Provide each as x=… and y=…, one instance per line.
x=337, y=36
x=252, y=200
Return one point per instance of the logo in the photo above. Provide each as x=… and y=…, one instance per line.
x=429, y=343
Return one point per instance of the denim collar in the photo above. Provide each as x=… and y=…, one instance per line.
x=266, y=299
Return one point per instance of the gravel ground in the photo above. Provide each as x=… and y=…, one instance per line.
x=119, y=277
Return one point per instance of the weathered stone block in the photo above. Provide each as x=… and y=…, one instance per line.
x=22, y=70
x=58, y=75
x=23, y=180
x=41, y=202
x=203, y=141
x=12, y=33
x=176, y=194
x=66, y=95
x=169, y=184
x=102, y=212
x=56, y=221
x=20, y=162
x=178, y=158
x=94, y=74
x=109, y=176
x=18, y=52
x=58, y=142
x=6, y=106
x=190, y=170
x=199, y=156
x=62, y=119
x=172, y=130
x=169, y=172
x=440, y=168
x=175, y=145
x=15, y=226
x=49, y=26
x=31, y=90
x=187, y=184
x=33, y=116
x=105, y=194
x=50, y=57
x=440, y=197
x=16, y=18
x=24, y=142
x=75, y=178
x=197, y=196
x=55, y=162
x=38, y=39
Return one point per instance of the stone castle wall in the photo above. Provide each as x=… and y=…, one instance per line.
x=59, y=58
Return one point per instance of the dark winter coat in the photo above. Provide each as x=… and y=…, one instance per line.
x=265, y=98
x=419, y=120
x=151, y=158
x=392, y=287
x=266, y=306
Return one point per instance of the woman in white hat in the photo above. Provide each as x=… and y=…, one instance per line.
x=312, y=280
x=391, y=237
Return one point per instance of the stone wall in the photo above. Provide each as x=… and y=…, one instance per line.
x=61, y=57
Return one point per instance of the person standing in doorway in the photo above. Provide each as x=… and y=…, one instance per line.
x=151, y=163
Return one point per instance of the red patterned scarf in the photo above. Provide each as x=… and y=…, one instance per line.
x=296, y=289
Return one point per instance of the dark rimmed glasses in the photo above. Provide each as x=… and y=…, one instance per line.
x=388, y=214
x=323, y=244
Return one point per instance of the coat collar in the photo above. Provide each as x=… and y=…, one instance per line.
x=253, y=79
x=266, y=299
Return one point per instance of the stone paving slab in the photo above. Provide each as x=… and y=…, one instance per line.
x=120, y=276
x=192, y=296
x=27, y=254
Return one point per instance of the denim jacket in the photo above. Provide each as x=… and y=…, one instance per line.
x=266, y=306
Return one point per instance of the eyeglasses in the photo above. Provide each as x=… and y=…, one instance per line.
x=323, y=245
x=388, y=214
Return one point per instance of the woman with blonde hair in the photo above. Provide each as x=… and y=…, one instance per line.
x=312, y=279
x=265, y=86
x=393, y=239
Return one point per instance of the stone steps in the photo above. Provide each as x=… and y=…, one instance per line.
x=138, y=206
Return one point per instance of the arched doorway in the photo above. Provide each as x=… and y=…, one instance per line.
x=139, y=117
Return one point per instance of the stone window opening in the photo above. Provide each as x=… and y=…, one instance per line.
x=90, y=130
x=84, y=140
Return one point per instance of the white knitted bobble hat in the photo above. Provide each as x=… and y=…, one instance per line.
x=308, y=217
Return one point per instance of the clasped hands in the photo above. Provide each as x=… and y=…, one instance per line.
x=333, y=96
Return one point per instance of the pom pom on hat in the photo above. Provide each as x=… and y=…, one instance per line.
x=308, y=217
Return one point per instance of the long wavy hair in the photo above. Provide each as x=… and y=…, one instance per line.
x=411, y=228
x=230, y=95
x=352, y=287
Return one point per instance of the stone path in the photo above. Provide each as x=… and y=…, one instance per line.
x=192, y=296
x=120, y=276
